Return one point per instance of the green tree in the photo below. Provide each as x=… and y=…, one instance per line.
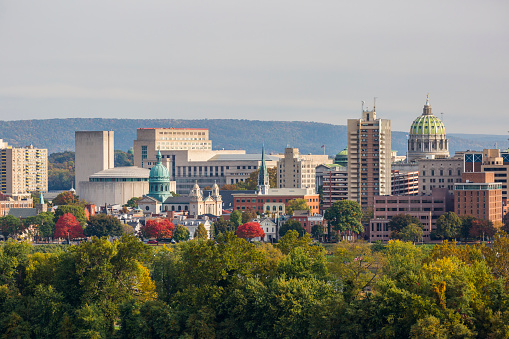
x=181, y=233
x=248, y=215
x=292, y=224
x=10, y=226
x=236, y=218
x=317, y=231
x=448, y=225
x=297, y=205
x=400, y=221
x=102, y=225
x=345, y=215
x=252, y=181
x=66, y=198
x=44, y=222
x=123, y=159
x=133, y=202
x=77, y=210
x=411, y=232
x=466, y=225
x=201, y=232
x=223, y=226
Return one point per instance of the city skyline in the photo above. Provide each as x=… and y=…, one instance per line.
x=265, y=61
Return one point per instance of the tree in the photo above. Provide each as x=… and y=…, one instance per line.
x=448, y=225
x=68, y=227
x=77, y=210
x=123, y=159
x=505, y=221
x=181, y=233
x=250, y=230
x=251, y=183
x=201, y=232
x=345, y=215
x=102, y=225
x=248, y=215
x=482, y=228
x=236, y=218
x=133, y=202
x=229, y=187
x=65, y=198
x=157, y=228
x=317, y=231
x=400, y=221
x=466, y=225
x=296, y=205
x=223, y=226
x=44, y=222
x=411, y=232
x=292, y=224
x=10, y=226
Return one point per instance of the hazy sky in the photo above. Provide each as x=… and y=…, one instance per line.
x=267, y=60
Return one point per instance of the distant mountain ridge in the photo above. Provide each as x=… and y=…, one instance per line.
x=57, y=135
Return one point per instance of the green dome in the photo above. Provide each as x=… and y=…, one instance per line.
x=159, y=173
x=427, y=124
x=342, y=158
x=343, y=152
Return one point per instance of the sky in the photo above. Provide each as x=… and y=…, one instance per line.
x=262, y=60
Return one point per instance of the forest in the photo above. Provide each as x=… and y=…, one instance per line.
x=228, y=287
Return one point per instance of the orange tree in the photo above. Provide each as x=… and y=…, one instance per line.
x=250, y=230
x=68, y=227
x=157, y=228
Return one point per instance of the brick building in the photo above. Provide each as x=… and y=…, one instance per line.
x=276, y=200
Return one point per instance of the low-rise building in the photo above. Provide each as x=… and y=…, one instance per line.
x=307, y=220
x=427, y=208
x=192, y=224
x=440, y=173
x=269, y=226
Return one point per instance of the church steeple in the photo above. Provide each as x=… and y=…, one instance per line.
x=263, y=177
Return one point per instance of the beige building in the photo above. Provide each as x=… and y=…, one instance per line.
x=296, y=170
x=498, y=163
x=94, y=152
x=149, y=140
x=23, y=170
x=369, y=158
x=440, y=173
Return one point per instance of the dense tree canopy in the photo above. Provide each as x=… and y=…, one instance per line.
x=133, y=202
x=44, y=223
x=448, y=226
x=222, y=226
x=181, y=233
x=400, y=221
x=10, y=226
x=68, y=227
x=102, y=225
x=157, y=228
x=77, y=210
x=292, y=224
x=345, y=215
x=201, y=232
x=66, y=198
x=250, y=230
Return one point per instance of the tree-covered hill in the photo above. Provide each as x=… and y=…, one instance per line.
x=57, y=135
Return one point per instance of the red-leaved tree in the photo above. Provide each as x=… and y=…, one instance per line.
x=480, y=227
x=68, y=227
x=157, y=228
x=250, y=230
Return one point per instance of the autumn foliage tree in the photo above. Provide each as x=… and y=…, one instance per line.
x=65, y=198
x=250, y=230
x=68, y=227
x=157, y=228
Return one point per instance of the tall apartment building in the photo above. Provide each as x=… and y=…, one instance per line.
x=94, y=152
x=498, y=163
x=149, y=140
x=23, y=170
x=369, y=158
x=479, y=195
x=295, y=170
x=334, y=182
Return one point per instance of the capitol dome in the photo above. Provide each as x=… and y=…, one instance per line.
x=427, y=138
x=342, y=158
x=427, y=124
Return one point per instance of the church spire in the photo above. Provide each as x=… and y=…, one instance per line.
x=263, y=177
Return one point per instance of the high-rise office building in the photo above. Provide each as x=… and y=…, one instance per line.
x=369, y=158
x=23, y=170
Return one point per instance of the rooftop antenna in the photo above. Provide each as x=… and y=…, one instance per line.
x=363, y=105
x=442, y=116
x=374, y=104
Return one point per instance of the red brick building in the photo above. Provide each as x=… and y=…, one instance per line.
x=479, y=195
x=276, y=200
x=307, y=219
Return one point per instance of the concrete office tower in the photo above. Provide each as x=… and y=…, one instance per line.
x=149, y=140
x=369, y=158
x=427, y=137
x=23, y=170
x=94, y=152
x=299, y=171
